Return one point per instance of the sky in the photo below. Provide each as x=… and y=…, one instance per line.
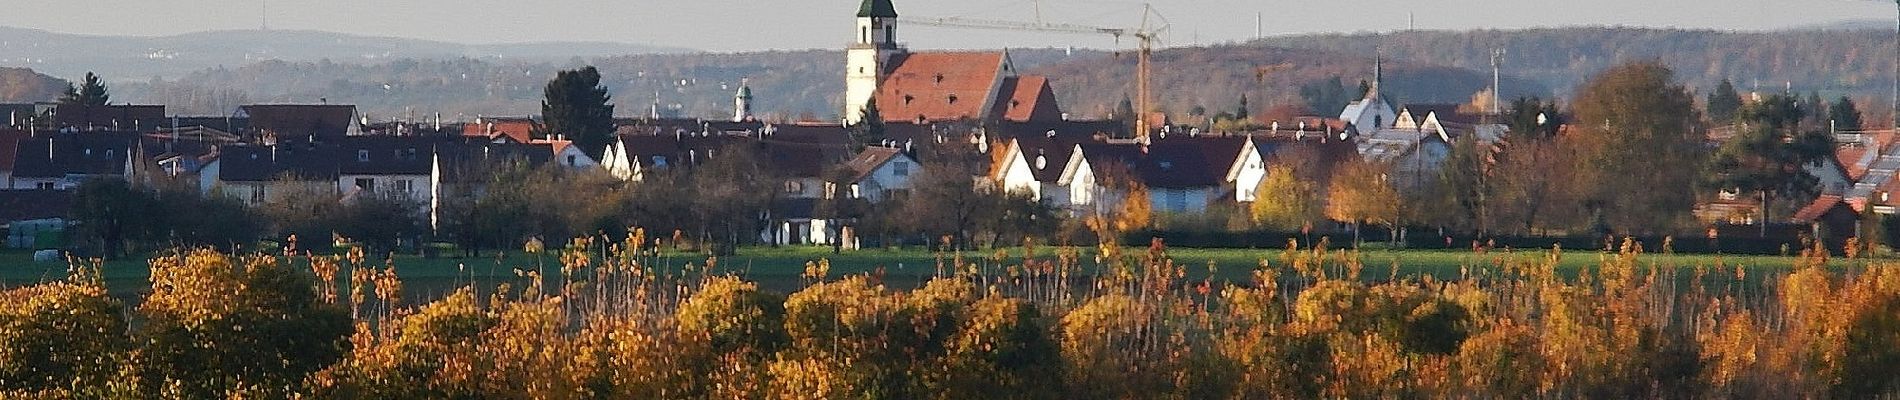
x=750, y=25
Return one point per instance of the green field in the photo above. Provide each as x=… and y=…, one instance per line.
x=780, y=268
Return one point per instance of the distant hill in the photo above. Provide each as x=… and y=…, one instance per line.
x=1834, y=62
x=131, y=58
x=1425, y=66
x=21, y=85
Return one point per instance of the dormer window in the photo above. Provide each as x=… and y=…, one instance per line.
x=908, y=98
x=953, y=99
x=1165, y=165
x=939, y=78
x=362, y=156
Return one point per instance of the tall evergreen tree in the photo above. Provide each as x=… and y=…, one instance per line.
x=1814, y=111
x=576, y=106
x=1724, y=101
x=93, y=92
x=1241, y=113
x=1533, y=118
x=1767, y=158
x=869, y=129
x=1845, y=115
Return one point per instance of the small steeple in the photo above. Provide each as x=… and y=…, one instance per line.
x=877, y=9
x=1378, y=75
x=742, y=101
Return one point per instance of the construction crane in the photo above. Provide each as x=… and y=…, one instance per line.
x=1146, y=35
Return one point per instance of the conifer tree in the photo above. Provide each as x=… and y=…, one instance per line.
x=577, y=107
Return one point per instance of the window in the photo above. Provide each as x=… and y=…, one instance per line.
x=659, y=161
x=403, y=185
x=900, y=168
x=794, y=187
x=831, y=190
x=362, y=156
x=44, y=185
x=855, y=194
x=365, y=184
x=257, y=194
x=570, y=160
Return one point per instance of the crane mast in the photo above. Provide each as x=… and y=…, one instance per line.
x=1149, y=32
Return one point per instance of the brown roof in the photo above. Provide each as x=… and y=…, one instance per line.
x=1174, y=164
x=869, y=160
x=1027, y=98
x=518, y=130
x=805, y=150
x=83, y=153
x=939, y=86
x=1819, y=207
x=116, y=116
x=301, y=121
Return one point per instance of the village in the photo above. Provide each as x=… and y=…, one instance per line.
x=901, y=109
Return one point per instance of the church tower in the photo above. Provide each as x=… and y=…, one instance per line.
x=742, y=102
x=866, y=58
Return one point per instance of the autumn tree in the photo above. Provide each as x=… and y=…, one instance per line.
x=576, y=106
x=1641, y=148
x=1360, y=193
x=1467, y=180
x=1283, y=201
x=216, y=326
x=945, y=199
x=62, y=335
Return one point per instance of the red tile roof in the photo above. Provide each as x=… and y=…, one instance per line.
x=939, y=86
x=519, y=130
x=1819, y=207
x=1027, y=98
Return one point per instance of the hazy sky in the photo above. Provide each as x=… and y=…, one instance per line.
x=735, y=25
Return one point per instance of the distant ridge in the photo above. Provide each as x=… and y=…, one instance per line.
x=139, y=58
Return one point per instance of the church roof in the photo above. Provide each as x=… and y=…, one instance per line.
x=940, y=86
x=877, y=9
x=1029, y=99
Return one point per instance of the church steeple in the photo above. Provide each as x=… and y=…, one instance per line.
x=869, y=55
x=742, y=101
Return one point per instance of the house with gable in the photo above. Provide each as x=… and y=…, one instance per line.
x=300, y=122
x=878, y=172
x=63, y=161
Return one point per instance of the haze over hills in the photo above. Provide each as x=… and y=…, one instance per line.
x=135, y=58
x=399, y=77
